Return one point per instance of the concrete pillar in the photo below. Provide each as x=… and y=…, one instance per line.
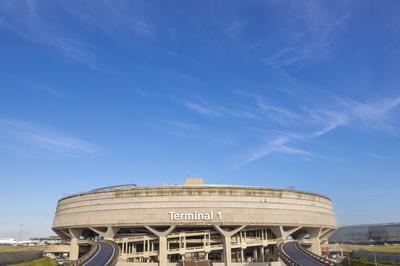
x=241, y=255
x=255, y=254
x=227, y=250
x=227, y=242
x=74, y=249
x=262, y=253
x=162, y=238
x=111, y=232
x=314, y=237
x=316, y=246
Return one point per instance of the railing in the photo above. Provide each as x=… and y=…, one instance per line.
x=323, y=260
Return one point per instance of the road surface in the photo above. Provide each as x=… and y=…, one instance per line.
x=102, y=256
x=298, y=255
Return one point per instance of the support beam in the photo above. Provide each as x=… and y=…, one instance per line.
x=74, y=247
x=287, y=233
x=315, y=242
x=227, y=242
x=108, y=234
x=162, y=250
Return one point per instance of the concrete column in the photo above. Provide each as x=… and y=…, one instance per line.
x=108, y=234
x=241, y=255
x=162, y=236
x=262, y=253
x=227, y=250
x=74, y=247
x=255, y=254
x=227, y=242
x=316, y=246
x=315, y=243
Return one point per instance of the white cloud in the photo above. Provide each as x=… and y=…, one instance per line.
x=201, y=109
x=27, y=19
x=16, y=132
x=310, y=35
x=316, y=122
x=277, y=145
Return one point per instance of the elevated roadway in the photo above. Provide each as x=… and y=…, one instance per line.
x=105, y=255
x=295, y=255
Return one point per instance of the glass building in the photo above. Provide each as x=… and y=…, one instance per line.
x=367, y=234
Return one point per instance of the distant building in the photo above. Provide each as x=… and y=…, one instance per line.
x=7, y=241
x=49, y=240
x=367, y=234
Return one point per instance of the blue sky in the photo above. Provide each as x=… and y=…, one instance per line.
x=300, y=94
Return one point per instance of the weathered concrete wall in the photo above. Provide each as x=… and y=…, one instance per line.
x=238, y=205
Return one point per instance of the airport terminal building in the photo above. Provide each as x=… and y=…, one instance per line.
x=372, y=234
x=164, y=225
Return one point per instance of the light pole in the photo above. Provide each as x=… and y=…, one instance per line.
x=20, y=232
x=348, y=258
x=375, y=257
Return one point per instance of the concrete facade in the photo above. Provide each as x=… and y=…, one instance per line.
x=168, y=224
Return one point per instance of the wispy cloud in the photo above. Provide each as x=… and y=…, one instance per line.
x=113, y=16
x=178, y=128
x=281, y=115
x=279, y=144
x=46, y=88
x=310, y=37
x=201, y=109
x=39, y=22
x=21, y=133
x=301, y=124
x=373, y=115
x=376, y=155
x=27, y=20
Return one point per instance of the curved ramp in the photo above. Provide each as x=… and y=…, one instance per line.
x=105, y=255
x=297, y=256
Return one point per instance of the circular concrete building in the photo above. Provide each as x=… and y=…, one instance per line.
x=220, y=223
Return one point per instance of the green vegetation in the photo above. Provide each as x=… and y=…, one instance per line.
x=359, y=262
x=11, y=249
x=45, y=261
x=388, y=248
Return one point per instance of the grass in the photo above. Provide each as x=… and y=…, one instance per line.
x=11, y=249
x=45, y=261
x=358, y=262
x=387, y=249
